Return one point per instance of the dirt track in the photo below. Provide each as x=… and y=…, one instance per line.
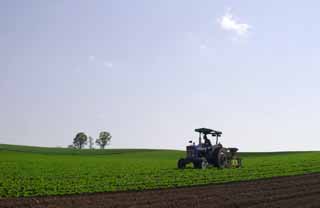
x=293, y=191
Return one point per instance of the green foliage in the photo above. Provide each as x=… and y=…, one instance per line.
x=80, y=140
x=35, y=171
x=104, y=139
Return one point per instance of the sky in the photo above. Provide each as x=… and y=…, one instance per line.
x=150, y=72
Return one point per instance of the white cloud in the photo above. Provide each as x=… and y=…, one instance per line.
x=227, y=22
x=92, y=58
x=107, y=64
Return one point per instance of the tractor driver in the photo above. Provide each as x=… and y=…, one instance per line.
x=206, y=141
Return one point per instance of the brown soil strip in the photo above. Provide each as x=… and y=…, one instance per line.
x=292, y=191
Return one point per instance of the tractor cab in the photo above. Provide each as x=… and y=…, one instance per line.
x=204, y=132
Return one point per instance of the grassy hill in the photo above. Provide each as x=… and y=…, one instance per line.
x=65, y=151
x=31, y=171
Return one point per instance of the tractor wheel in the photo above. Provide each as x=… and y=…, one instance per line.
x=181, y=164
x=220, y=158
x=204, y=164
x=200, y=164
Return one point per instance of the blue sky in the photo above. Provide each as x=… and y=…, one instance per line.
x=150, y=72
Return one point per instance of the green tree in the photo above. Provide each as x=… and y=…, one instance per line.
x=80, y=140
x=104, y=139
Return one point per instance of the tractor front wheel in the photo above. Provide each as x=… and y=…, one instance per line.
x=181, y=164
x=200, y=164
x=204, y=164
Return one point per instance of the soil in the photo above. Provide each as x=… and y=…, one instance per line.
x=292, y=191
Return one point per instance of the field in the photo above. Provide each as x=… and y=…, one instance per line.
x=285, y=192
x=37, y=171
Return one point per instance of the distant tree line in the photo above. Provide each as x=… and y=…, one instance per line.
x=81, y=140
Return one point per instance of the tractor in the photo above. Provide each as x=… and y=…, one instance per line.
x=205, y=154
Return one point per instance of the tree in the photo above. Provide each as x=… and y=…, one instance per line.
x=91, y=142
x=104, y=139
x=80, y=140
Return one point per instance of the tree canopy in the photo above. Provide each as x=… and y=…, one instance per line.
x=104, y=139
x=80, y=140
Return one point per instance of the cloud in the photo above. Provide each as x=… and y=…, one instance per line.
x=227, y=22
x=107, y=64
x=92, y=58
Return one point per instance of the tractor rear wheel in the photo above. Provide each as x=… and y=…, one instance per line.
x=181, y=164
x=220, y=158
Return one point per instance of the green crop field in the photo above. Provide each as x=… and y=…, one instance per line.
x=34, y=171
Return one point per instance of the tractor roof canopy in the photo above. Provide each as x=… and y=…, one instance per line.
x=204, y=130
x=217, y=133
x=208, y=131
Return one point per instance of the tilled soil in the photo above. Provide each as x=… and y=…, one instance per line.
x=291, y=191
